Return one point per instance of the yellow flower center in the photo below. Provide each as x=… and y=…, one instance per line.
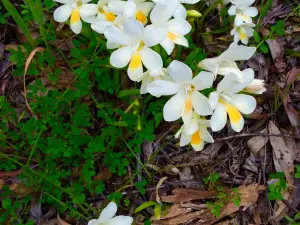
x=243, y=36
x=172, y=36
x=108, y=15
x=188, y=105
x=135, y=62
x=234, y=114
x=141, y=17
x=75, y=16
x=196, y=138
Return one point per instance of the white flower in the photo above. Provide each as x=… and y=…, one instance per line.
x=186, y=89
x=226, y=100
x=77, y=9
x=257, y=86
x=195, y=133
x=107, y=217
x=243, y=32
x=136, y=9
x=180, y=11
x=134, y=51
x=104, y=17
x=167, y=32
x=243, y=11
x=149, y=76
x=225, y=63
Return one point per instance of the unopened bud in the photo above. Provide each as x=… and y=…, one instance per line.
x=193, y=13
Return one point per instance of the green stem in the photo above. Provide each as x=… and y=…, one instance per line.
x=208, y=10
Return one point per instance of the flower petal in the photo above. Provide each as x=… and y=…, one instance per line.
x=251, y=11
x=235, y=117
x=64, y=1
x=112, y=45
x=116, y=6
x=93, y=222
x=179, y=26
x=232, y=10
x=213, y=99
x=203, y=80
x=146, y=80
x=219, y=118
x=130, y=9
x=135, y=69
x=210, y=65
x=184, y=139
x=87, y=10
x=237, y=52
x=244, y=103
x=121, y=57
x=163, y=12
x=62, y=13
x=174, y=108
x=189, y=1
x=116, y=35
x=163, y=87
x=146, y=7
x=181, y=40
x=155, y=34
x=120, y=220
x=197, y=141
x=99, y=26
x=75, y=23
x=168, y=45
x=134, y=28
x=206, y=135
x=180, y=12
x=151, y=59
x=200, y=104
x=179, y=71
x=108, y=212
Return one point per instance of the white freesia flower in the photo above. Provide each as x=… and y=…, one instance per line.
x=77, y=9
x=167, y=32
x=186, y=89
x=226, y=100
x=107, y=217
x=104, y=17
x=180, y=11
x=257, y=86
x=243, y=32
x=225, y=63
x=243, y=11
x=136, y=9
x=150, y=76
x=195, y=132
x=134, y=51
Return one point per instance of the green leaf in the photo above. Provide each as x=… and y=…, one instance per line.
x=264, y=9
x=18, y=19
x=278, y=28
x=264, y=48
x=256, y=36
x=129, y=92
x=157, y=211
x=144, y=206
x=6, y=203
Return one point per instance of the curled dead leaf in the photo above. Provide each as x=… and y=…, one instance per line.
x=61, y=222
x=21, y=189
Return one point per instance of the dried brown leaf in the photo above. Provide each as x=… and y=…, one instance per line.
x=293, y=75
x=160, y=182
x=282, y=154
x=2, y=182
x=257, y=143
x=10, y=173
x=175, y=210
x=21, y=189
x=249, y=195
x=187, y=194
x=61, y=222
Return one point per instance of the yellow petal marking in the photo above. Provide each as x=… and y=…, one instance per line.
x=141, y=17
x=110, y=16
x=196, y=138
x=136, y=62
x=172, y=36
x=234, y=115
x=188, y=105
x=75, y=16
x=243, y=36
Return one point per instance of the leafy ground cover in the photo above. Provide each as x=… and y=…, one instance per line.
x=76, y=133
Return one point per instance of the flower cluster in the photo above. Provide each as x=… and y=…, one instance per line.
x=243, y=26
x=199, y=100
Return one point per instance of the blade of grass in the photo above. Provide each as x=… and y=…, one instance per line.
x=18, y=19
x=37, y=11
